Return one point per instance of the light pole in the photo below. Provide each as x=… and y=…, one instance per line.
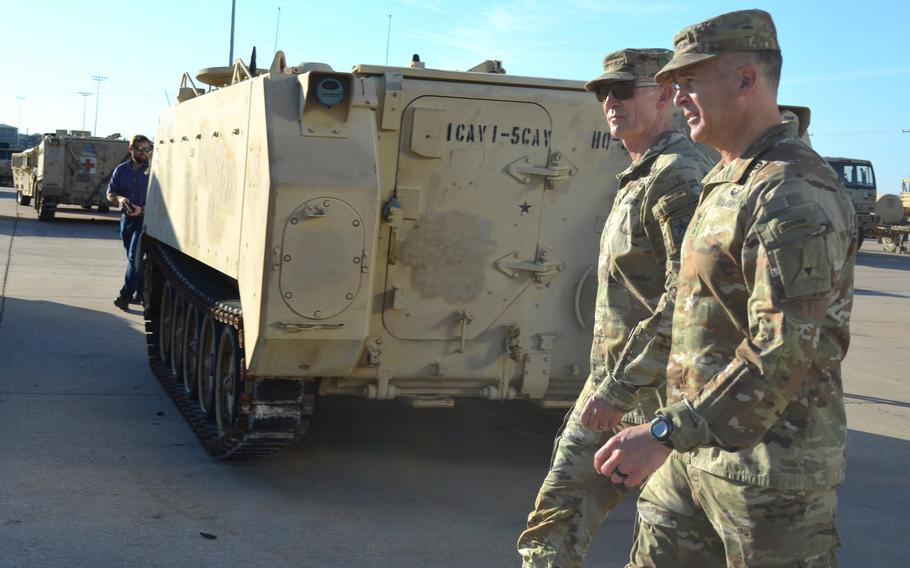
x=97, y=79
x=84, y=100
x=231, y=52
x=19, y=124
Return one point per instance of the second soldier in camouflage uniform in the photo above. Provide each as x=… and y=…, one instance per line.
x=755, y=414
x=639, y=255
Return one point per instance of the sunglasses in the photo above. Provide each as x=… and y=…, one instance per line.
x=622, y=90
x=145, y=149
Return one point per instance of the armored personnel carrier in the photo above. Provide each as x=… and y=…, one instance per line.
x=67, y=168
x=389, y=232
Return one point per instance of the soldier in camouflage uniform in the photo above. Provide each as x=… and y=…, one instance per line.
x=755, y=414
x=639, y=254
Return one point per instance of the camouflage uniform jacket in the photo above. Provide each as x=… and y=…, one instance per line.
x=765, y=292
x=639, y=255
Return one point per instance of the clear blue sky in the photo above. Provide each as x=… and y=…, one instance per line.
x=849, y=62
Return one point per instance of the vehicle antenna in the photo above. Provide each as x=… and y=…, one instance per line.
x=388, y=37
x=277, y=22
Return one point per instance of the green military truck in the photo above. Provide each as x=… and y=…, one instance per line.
x=67, y=168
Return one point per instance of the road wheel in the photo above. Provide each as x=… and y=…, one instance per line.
x=208, y=349
x=165, y=326
x=24, y=200
x=227, y=376
x=191, y=332
x=889, y=243
x=178, y=319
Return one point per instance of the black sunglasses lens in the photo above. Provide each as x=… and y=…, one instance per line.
x=624, y=91
x=621, y=91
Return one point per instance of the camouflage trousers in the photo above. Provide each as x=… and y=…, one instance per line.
x=690, y=518
x=572, y=502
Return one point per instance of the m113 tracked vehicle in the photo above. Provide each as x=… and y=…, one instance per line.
x=382, y=233
x=67, y=168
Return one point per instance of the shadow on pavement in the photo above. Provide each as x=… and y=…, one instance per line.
x=865, y=292
x=473, y=431
x=55, y=345
x=876, y=400
x=83, y=225
x=883, y=260
x=874, y=499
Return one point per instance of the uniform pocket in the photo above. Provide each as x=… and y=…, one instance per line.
x=796, y=244
x=674, y=213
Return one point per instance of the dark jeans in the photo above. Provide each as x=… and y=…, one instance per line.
x=131, y=233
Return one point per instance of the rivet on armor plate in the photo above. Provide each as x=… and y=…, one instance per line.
x=356, y=223
x=349, y=296
x=288, y=295
x=356, y=260
x=294, y=220
x=287, y=258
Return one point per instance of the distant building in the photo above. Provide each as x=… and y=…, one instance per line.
x=10, y=135
x=29, y=140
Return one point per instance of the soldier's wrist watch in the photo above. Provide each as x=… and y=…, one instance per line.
x=661, y=429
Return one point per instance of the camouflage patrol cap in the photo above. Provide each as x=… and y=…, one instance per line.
x=744, y=30
x=631, y=65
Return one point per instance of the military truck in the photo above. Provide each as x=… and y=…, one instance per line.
x=67, y=168
x=859, y=180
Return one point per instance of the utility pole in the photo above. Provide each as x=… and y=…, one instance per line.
x=84, y=100
x=19, y=124
x=97, y=79
x=231, y=52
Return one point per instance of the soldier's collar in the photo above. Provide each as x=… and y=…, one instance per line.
x=663, y=141
x=737, y=170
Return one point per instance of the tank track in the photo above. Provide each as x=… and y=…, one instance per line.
x=271, y=411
